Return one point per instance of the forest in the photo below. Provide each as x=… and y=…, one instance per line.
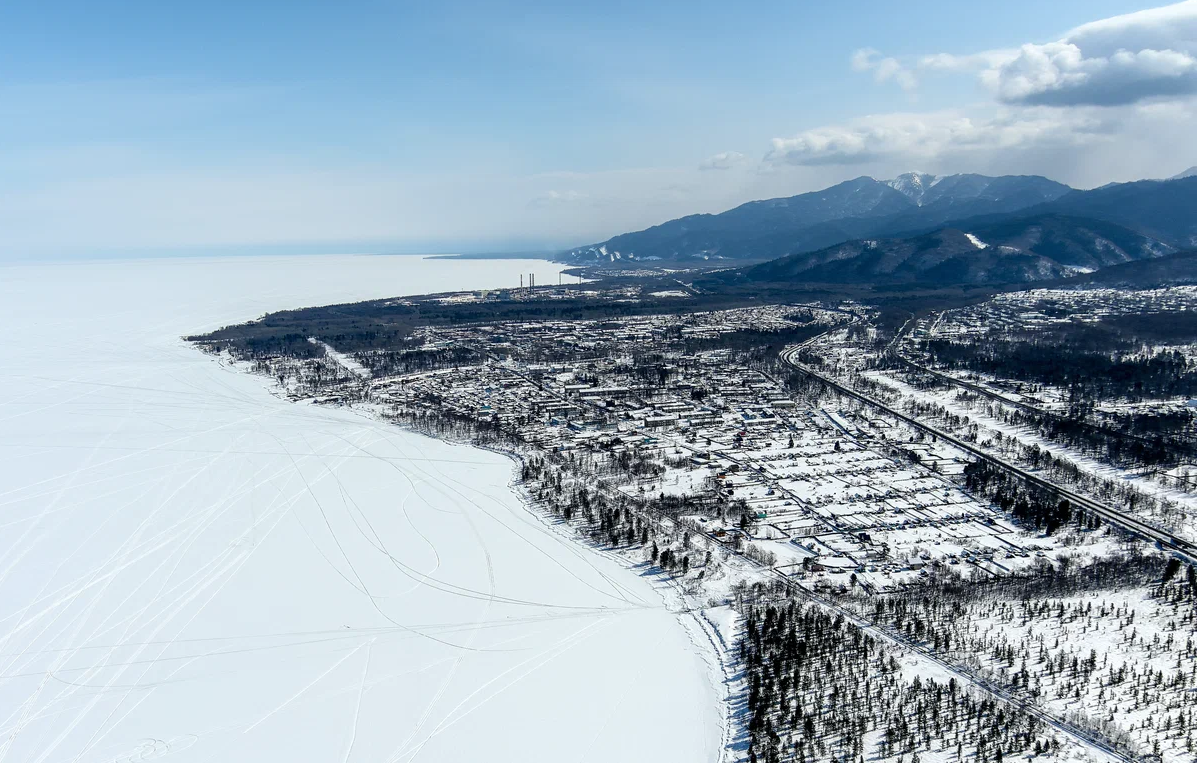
x=1031, y=504
x=822, y=689
x=1164, y=437
x=1108, y=643
x=1087, y=375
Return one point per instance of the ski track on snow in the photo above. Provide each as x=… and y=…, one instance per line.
x=192, y=567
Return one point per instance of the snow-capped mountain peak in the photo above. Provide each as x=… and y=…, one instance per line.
x=914, y=185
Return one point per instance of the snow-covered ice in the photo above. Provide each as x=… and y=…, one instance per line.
x=192, y=568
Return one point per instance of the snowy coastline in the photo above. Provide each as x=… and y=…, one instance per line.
x=197, y=569
x=711, y=636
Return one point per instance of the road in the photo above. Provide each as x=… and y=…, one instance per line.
x=995, y=396
x=994, y=689
x=1165, y=539
x=964, y=673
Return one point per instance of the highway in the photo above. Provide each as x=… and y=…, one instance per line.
x=1166, y=540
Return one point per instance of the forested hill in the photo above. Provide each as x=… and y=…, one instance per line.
x=1037, y=248
x=1178, y=268
x=1165, y=210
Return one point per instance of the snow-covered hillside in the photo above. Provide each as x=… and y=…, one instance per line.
x=194, y=569
x=914, y=185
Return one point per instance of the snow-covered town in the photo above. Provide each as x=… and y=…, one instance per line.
x=709, y=444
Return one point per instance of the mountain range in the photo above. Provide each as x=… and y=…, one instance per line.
x=921, y=227
x=1048, y=246
x=857, y=208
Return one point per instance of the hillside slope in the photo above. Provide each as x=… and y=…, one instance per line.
x=1164, y=210
x=1028, y=249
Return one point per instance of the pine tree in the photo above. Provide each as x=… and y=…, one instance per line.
x=1171, y=569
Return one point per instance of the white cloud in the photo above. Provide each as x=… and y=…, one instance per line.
x=1083, y=146
x=969, y=62
x=1061, y=74
x=1126, y=59
x=1120, y=60
x=928, y=136
x=725, y=160
x=1112, y=98
x=884, y=69
x=1169, y=27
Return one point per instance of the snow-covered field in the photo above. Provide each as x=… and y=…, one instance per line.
x=194, y=569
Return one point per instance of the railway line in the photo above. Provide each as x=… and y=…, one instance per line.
x=1130, y=523
x=967, y=674
x=1030, y=408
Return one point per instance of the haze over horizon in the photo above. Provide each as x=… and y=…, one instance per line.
x=301, y=127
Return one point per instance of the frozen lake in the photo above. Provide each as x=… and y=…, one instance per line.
x=193, y=569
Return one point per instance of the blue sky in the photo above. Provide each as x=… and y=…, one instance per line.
x=358, y=126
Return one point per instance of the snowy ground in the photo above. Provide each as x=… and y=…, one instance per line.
x=194, y=569
x=1187, y=501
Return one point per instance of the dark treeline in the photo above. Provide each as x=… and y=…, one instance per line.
x=386, y=324
x=1093, y=362
x=282, y=333
x=1068, y=633
x=1121, y=333
x=1057, y=468
x=1153, y=439
x=1155, y=327
x=1031, y=504
x=1086, y=375
x=1149, y=438
x=770, y=342
x=1176, y=422
x=1116, y=572
x=397, y=362
x=821, y=689
x=290, y=345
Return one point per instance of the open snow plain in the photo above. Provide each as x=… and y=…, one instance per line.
x=194, y=569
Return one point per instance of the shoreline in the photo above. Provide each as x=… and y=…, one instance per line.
x=709, y=643
x=715, y=649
